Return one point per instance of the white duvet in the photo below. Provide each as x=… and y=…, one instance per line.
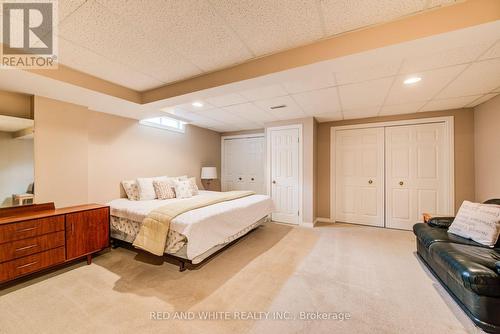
x=205, y=227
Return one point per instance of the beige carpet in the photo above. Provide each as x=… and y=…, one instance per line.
x=373, y=274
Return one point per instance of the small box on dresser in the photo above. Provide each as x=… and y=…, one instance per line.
x=37, y=237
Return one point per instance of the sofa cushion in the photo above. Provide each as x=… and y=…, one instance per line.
x=428, y=235
x=474, y=267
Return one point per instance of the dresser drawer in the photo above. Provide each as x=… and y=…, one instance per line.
x=30, y=228
x=20, y=248
x=28, y=264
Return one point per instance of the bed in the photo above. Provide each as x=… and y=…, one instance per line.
x=196, y=235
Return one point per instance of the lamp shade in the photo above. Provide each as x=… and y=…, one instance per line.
x=208, y=173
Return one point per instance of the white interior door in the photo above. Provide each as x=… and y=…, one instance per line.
x=359, y=176
x=244, y=164
x=284, y=152
x=417, y=167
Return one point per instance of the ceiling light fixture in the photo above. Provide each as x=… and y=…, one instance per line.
x=412, y=80
x=197, y=104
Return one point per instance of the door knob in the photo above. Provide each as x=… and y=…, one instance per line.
x=274, y=182
x=401, y=183
x=370, y=182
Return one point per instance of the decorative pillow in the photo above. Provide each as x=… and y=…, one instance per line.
x=146, y=188
x=131, y=189
x=183, y=189
x=193, y=186
x=478, y=222
x=163, y=189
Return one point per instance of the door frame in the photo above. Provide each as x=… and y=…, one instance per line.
x=449, y=135
x=301, y=163
x=222, y=152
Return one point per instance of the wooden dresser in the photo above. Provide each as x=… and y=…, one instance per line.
x=36, y=237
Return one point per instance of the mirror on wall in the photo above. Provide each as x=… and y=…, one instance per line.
x=17, y=185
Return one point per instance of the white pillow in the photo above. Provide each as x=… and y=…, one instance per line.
x=478, y=222
x=146, y=188
x=183, y=189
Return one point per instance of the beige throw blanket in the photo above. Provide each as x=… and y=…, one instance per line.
x=152, y=236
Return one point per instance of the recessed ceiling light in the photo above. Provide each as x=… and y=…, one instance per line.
x=412, y=80
x=197, y=104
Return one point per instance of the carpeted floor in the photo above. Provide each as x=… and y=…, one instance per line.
x=369, y=274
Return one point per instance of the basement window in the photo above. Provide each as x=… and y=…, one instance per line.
x=165, y=123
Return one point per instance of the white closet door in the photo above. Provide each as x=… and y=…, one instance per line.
x=244, y=164
x=417, y=164
x=359, y=176
x=285, y=175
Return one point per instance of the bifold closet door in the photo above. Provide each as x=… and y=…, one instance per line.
x=359, y=176
x=244, y=164
x=417, y=173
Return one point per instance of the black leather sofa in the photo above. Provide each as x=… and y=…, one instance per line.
x=468, y=270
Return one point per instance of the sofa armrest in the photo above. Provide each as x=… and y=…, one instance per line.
x=442, y=222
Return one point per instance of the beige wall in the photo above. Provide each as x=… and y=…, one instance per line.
x=464, y=154
x=81, y=155
x=16, y=166
x=16, y=104
x=487, y=149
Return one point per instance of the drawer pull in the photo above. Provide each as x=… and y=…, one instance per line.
x=27, y=265
x=25, y=248
x=26, y=229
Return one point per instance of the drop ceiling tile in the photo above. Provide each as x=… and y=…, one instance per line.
x=263, y=92
x=430, y=85
x=285, y=24
x=364, y=95
x=482, y=99
x=192, y=28
x=226, y=100
x=453, y=103
x=191, y=108
x=89, y=62
x=366, y=73
x=250, y=112
x=493, y=52
x=291, y=111
x=361, y=113
x=192, y=117
x=345, y=15
x=304, y=80
x=318, y=102
x=67, y=7
x=437, y=3
x=480, y=78
x=223, y=116
x=398, y=109
x=454, y=56
x=92, y=26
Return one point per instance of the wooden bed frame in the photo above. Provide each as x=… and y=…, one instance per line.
x=183, y=263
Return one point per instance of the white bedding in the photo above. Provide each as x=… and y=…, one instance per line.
x=205, y=227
